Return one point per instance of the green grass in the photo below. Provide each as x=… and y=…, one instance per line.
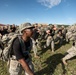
x=49, y=63
x=3, y=68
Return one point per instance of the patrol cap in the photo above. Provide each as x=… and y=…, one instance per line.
x=62, y=27
x=25, y=26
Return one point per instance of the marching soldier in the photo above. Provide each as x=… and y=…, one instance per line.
x=20, y=57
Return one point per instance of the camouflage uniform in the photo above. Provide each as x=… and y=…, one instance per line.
x=64, y=31
x=71, y=31
x=59, y=37
x=42, y=34
x=71, y=52
x=50, y=41
x=34, y=47
x=15, y=68
x=49, y=38
x=68, y=36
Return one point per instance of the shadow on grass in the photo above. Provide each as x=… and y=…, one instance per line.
x=43, y=50
x=52, y=63
x=57, y=46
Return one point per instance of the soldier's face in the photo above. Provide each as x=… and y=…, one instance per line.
x=60, y=33
x=29, y=32
x=48, y=31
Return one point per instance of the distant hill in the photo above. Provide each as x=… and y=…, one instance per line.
x=63, y=25
x=59, y=25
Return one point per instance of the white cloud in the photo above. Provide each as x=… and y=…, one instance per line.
x=50, y=3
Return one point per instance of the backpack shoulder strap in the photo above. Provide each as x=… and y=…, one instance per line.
x=22, y=44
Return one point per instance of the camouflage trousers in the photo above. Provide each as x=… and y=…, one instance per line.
x=71, y=53
x=16, y=69
x=34, y=47
x=68, y=36
x=49, y=42
x=61, y=41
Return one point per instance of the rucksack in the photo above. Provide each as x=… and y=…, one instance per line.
x=7, y=52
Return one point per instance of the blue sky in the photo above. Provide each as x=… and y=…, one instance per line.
x=38, y=11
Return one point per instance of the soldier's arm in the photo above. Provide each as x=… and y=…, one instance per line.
x=20, y=57
x=25, y=66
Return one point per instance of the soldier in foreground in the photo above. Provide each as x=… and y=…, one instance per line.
x=20, y=58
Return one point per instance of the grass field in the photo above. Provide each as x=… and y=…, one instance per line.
x=49, y=62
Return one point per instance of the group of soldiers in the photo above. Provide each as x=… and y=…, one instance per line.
x=51, y=34
x=7, y=29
